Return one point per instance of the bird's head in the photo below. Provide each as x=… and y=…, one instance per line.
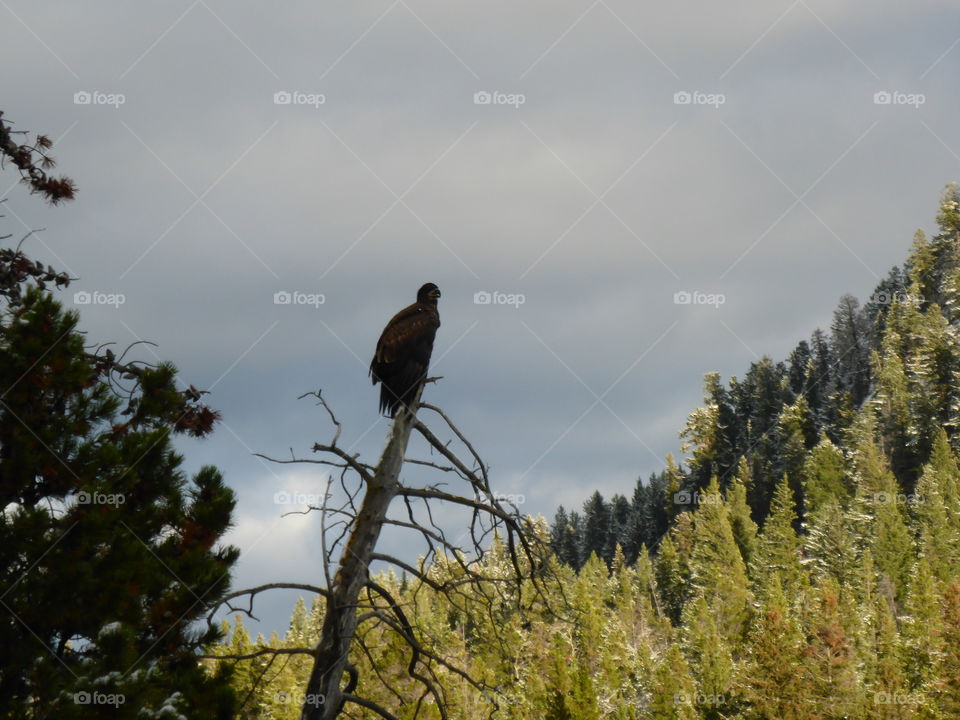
x=428, y=294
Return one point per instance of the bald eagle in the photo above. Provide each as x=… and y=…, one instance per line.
x=403, y=352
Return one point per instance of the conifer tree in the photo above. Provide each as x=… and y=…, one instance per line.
x=741, y=523
x=934, y=512
x=596, y=526
x=825, y=476
x=673, y=694
x=710, y=660
x=948, y=665
x=832, y=679
x=918, y=636
x=778, y=547
x=797, y=435
x=774, y=677
x=884, y=674
x=108, y=549
x=717, y=572
x=829, y=546
x=671, y=572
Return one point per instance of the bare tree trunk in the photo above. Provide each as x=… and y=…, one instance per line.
x=324, y=694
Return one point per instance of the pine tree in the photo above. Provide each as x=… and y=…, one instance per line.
x=778, y=547
x=109, y=550
x=920, y=264
x=797, y=435
x=717, y=572
x=673, y=693
x=825, y=476
x=671, y=572
x=743, y=527
x=851, y=340
x=619, y=510
x=948, y=665
x=710, y=660
x=832, y=678
x=774, y=676
x=878, y=507
x=918, y=637
x=674, y=484
x=564, y=540
x=596, y=526
x=706, y=435
x=829, y=545
x=934, y=511
x=884, y=673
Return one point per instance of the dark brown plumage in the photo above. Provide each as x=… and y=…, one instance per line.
x=403, y=352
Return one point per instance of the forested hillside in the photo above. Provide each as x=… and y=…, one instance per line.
x=895, y=355
x=802, y=562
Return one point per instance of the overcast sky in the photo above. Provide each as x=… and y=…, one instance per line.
x=592, y=159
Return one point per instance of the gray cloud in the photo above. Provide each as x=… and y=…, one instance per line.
x=303, y=197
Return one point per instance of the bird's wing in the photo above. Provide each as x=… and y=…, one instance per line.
x=403, y=330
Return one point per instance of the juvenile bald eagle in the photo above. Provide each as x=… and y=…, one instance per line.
x=403, y=352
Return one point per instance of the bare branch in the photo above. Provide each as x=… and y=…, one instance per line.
x=456, y=571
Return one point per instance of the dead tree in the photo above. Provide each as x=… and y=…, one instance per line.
x=351, y=530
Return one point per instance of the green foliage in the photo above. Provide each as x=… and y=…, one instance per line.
x=778, y=548
x=717, y=571
x=109, y=551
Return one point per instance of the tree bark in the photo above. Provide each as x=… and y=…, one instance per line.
x=324, y=696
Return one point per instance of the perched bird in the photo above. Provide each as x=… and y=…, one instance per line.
x=403, y=352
